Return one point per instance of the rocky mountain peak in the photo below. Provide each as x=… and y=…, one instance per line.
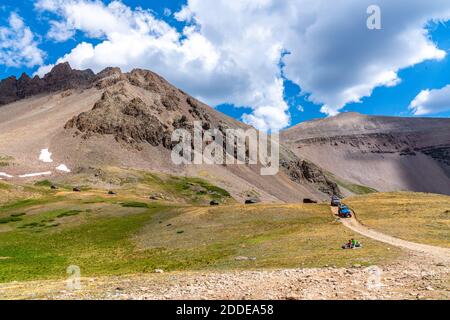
x=61, y=68
x=24, y=77
x=109, y=71
x=61, y=77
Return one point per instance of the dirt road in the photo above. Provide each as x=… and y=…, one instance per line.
x=431, y=251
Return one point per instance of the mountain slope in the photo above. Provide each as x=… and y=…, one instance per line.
x=385, y=153
x=89, y=122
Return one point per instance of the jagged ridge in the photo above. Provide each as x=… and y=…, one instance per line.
x=61, y=77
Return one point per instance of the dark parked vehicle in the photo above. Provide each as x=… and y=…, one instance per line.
x=335, y=201
x=252, y=201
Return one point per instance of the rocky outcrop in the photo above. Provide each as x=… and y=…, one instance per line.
x=439, y=153
x=8, y=90
x=142, y=107
x=403, y=144
x=128, y=120
x=301, y=170
x=61, y=77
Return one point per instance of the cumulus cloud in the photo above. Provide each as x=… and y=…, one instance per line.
x=60, y=31
x=18, y=46
x=231, y=51
x=431, y=101
x=185, y=14
x=339, y=61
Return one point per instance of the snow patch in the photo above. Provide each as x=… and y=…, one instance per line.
x=45, y=156
x=63, y=168
x=2, y=174
x=29, y=175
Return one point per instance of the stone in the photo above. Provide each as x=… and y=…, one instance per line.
x=241, y=258
x=157, y=196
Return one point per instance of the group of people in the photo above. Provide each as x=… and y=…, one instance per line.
x=352, y=243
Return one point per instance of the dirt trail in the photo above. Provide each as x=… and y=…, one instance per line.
x=431, y=251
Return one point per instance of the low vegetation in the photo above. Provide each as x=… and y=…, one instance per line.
x=197, y=190
x=131, y=232
x=134, y=204
x=352, y=187
x=43, y=183
x=5, y=161
x=267, y=236
x=69, y=213
x=11, y=218
x=107, y=238
x=4, y=186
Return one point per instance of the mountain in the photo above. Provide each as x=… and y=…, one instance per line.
x=62, y=77
x=90, y=122
x=384, y=153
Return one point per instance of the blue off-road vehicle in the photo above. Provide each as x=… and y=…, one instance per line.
x=344, y=212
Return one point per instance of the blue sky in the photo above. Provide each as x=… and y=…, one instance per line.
x=245, y=60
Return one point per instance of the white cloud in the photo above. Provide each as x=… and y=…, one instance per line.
x=230, y=51
x=185, y=14
x=227, y=72
x=431, y=101
x=60, y=31
x=18, y=46
x=339, y=61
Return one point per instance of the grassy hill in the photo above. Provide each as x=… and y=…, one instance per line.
x=128, y=233
x=417, y=217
